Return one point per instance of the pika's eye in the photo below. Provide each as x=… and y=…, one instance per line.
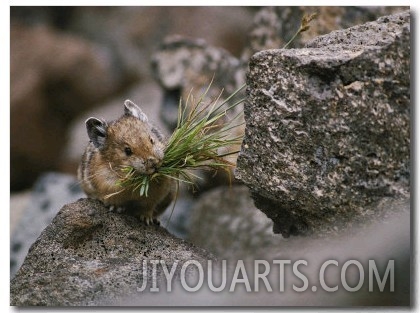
x=152, y=141
x=128, y=151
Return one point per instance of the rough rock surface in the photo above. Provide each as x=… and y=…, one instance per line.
x=52, y=191
x=328, y=127
x=90, y=256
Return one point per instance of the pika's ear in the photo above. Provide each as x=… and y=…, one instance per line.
x=130, y=108
x=96, y=130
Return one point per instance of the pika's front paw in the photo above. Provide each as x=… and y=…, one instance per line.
x=149, y=220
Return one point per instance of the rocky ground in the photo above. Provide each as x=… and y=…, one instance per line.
x=324, y=169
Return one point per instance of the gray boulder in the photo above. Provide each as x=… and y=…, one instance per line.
x=226, y=222
x=183, y=66
x=328, y=128
x=89, y=256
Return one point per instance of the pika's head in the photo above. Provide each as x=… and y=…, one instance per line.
x=128, y=141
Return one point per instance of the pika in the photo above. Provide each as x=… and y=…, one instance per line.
x=128, y=141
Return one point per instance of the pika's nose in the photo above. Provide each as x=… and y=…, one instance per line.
x=153, y=162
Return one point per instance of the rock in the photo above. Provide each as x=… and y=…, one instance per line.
x=133, y=33
x=53, y=190
x=18, y=204
x=177, y=219
x=51, y=83
x=90, y=256
x=50, y=192
x=273, y=27
x=226, y=222
x=328, y=128
x=183, y=65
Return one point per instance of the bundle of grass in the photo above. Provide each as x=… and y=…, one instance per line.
x=200, y=141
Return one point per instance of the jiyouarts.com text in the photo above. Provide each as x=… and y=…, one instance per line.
x=270, y=276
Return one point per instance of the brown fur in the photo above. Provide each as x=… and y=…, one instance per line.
x=101, y=166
